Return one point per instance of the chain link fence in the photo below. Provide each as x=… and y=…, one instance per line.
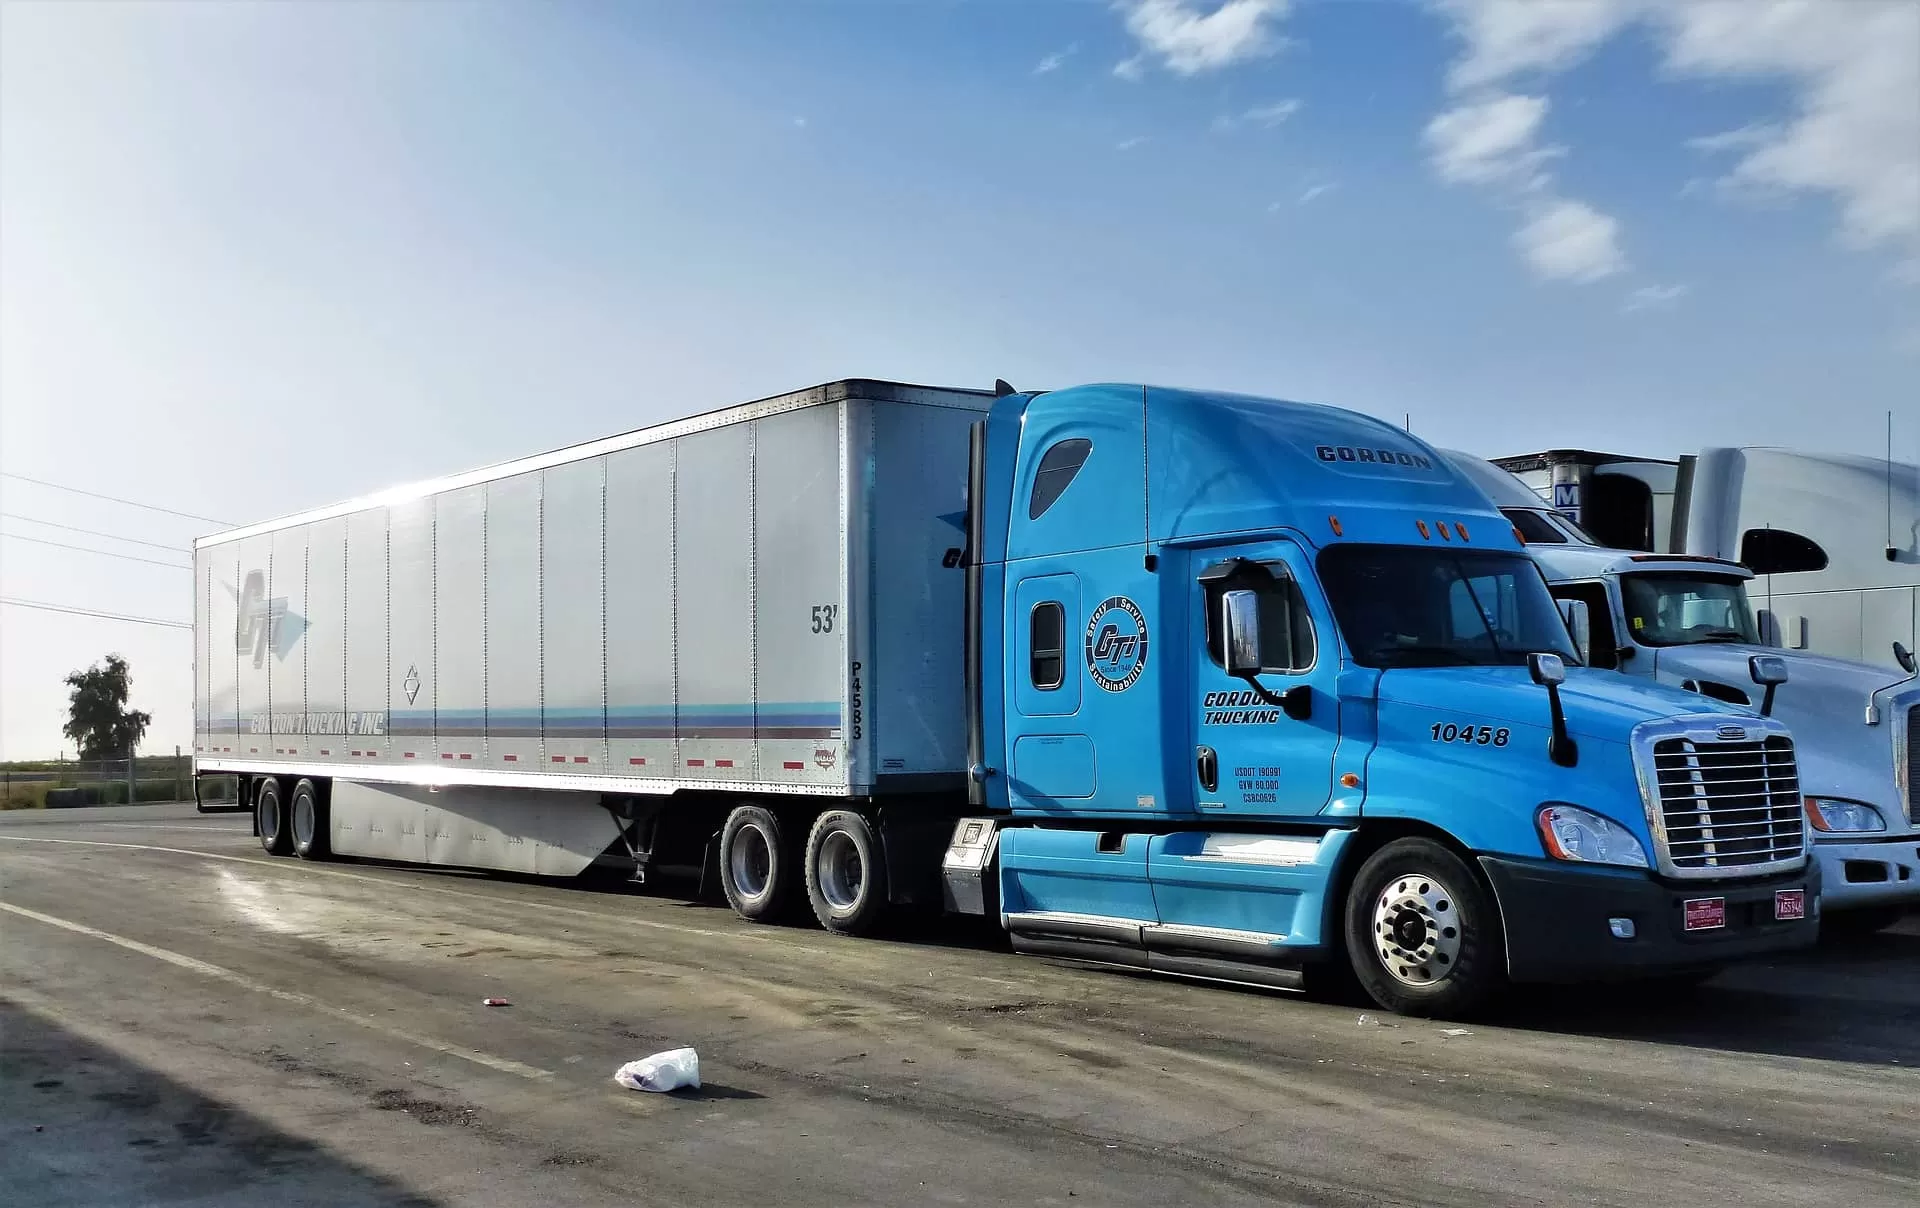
x=55, y=784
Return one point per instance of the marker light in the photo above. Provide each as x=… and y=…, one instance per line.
x=1423, y=529
x=1446, y=534
x=1460, y=526
x=1335, y=522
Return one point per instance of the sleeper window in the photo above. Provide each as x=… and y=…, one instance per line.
x=1057, y=468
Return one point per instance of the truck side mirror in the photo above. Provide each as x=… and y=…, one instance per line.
x=1579, y=620
x=1769, y=671
x=1547, y=670
x=1240, y=633
x=1550, y=672
x=1904, y=657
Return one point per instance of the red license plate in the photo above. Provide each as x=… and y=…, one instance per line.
x=1790, y=904
x=1706, y=914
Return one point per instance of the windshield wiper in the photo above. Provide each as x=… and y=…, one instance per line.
x=1723, y=635
x=1448, y=654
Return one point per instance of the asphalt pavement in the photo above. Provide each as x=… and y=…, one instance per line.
x=186, y=1021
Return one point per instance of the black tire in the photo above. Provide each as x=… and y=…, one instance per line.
x=1859, y=923
x=757, y=865
x=1421, y=907
x=307, y=822
x=846, y=874
x=270, y=818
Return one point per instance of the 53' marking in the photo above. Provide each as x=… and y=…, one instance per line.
x=1479, y=736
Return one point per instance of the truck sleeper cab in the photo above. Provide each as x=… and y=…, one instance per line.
x=1273, y=688
x=1687, y=621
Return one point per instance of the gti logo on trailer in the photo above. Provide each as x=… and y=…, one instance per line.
x=261, y=624
x=1116, y=644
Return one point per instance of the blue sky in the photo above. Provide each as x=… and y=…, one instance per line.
x=260, y=257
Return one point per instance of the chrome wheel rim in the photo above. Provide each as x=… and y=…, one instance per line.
x=268, y=810
x=1417, y=930
x=751, y=861
x=840, y=871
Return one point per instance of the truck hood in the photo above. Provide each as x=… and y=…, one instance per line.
x=1600, y=705
x=1824, y=702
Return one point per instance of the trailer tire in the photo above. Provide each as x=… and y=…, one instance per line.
x=308, y=822
x=270, y=818
x=756, y=864
x=846, y=874
x=1423, y=932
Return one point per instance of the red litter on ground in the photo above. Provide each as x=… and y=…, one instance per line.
x=495, y=1002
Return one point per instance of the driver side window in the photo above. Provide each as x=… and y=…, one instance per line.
x=1287, y=643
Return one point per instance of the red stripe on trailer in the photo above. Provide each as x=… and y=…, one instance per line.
x=253, y=750
x=696, y=763
x=325, y=751
x=410, y=755
x=794, y=765
x=580, y=759
x=723, y=763
x=559, y=759
x=465, y=755
x=637, y=762
x=511, y=758
x=446, y=754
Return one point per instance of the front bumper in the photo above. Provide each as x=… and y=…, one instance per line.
x=1869, y=871
x=1557, y=919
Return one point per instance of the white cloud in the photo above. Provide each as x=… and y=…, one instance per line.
x=1505, y=38
x=1489, y=140
x=1260, y=115
x=1313, y=192
x=800, y=123
x=1128, y=144
x=1753, y=134
x=1187, y=40
x=1653, y=297
x=1567, y=240
x=1056, y=60
x=1851, y=70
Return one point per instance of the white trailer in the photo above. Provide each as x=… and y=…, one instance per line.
x=516, y=668
x=1833, y=540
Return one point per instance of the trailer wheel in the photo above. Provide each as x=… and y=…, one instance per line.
x=756, y=864
x=1423, y=933
x=270, y=818
x=308, y=822
x=846, y=874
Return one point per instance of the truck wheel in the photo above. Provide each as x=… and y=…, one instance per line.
x=1423, y=933
x=756, y=865
x=846, y=874
x=270, y=818
x=308, y=822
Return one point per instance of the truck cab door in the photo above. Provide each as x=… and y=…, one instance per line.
x=1254, y=757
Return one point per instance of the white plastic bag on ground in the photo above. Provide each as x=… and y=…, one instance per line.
x=668, y=1071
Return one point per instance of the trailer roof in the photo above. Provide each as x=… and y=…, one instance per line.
x=868, y=389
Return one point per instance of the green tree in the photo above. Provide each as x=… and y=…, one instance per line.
x=98, y=719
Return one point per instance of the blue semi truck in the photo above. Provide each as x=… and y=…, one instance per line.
x=1199, y=683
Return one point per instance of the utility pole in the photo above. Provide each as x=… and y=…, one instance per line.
x=132, y=792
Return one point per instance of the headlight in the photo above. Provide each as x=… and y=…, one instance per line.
x=1834, y=816
x=1570, y=833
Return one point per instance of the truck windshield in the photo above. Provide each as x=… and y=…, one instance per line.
x=1682, y=610
x=1418, y=606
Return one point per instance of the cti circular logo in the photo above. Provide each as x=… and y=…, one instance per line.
x=1116, y=644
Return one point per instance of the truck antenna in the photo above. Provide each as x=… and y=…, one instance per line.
x=1889, y=486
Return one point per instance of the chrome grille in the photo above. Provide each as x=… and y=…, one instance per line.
x=1728, y=805
x=1912, y=782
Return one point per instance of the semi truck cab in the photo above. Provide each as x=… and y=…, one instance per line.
x=1687, y=621
x=1270, y=686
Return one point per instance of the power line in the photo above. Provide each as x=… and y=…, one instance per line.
x=177, y=549
x=104, y=553
x=88, y=612
x=112, y=499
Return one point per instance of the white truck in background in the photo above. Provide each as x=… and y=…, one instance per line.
x=1833, y=541
x=1685, y=619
